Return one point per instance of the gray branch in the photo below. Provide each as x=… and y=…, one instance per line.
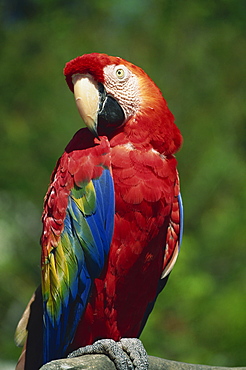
x=102, y=362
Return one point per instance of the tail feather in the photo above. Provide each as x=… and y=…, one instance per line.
x=31, y=326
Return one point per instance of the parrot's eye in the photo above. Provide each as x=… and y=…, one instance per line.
x=120, y=73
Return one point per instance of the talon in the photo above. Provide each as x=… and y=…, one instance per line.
x=109, y=348
x=127, y=354
x=136, y=351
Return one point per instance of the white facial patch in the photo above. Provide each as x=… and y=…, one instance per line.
x=123, y=86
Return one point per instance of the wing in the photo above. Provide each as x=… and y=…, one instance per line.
x=172, y=246
x=174, y=232
x=78, y=223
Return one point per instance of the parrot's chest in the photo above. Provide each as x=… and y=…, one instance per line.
x=142, y=212
x=143, y=200
x=128, y=284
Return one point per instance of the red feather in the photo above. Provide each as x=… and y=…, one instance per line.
x=146, y=183
x=143, y=205
x=145, y=242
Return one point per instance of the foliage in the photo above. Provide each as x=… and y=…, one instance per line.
x=195, y=52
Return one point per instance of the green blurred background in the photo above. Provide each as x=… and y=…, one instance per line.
x=195, y=52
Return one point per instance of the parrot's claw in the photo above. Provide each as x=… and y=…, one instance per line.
x=136, y=351
x=127, y=354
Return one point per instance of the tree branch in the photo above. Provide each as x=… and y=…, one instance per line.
x=102, y=362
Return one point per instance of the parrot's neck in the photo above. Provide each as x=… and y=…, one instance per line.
x=150, y=132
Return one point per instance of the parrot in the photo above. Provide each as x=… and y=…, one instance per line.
x=112, y=216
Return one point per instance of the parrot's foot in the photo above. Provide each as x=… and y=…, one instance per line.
x=127, y=354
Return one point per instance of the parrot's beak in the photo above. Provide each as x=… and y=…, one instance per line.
x=99, y=111
x=87, y=99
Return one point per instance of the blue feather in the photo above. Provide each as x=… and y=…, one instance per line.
x=181, y=219
x=85, y=240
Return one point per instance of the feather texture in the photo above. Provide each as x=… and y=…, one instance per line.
x=112, y=219
x=78, y=226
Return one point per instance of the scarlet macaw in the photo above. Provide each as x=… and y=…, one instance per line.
x=112, y=219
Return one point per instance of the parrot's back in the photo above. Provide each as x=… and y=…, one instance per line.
x=112, y=219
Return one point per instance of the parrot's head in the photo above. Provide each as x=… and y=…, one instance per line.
x=113, y=95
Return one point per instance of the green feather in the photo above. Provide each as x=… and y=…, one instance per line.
x=85, y=198
x=60, y=270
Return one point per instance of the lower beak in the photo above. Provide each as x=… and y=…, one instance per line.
x=87, y=100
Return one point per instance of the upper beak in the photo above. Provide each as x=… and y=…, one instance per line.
x=87, y=99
